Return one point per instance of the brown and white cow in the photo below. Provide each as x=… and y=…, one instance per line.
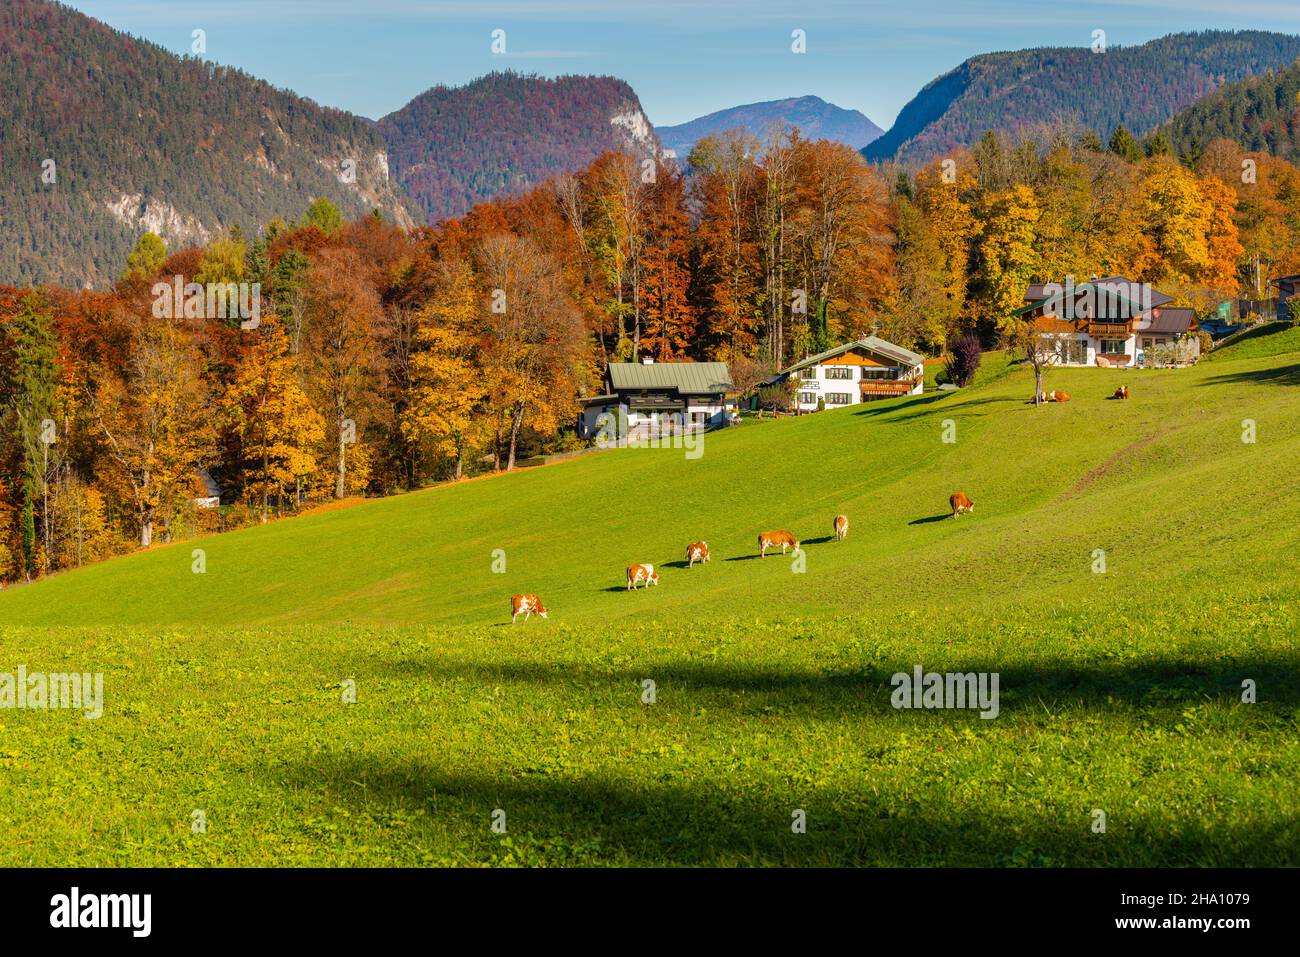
x=526, y=605
x=960, y=502
x=697, y=552
x=1121, y=393
x=1059, y=396
x=641, y=573
x=772, y=539
x=841, y=527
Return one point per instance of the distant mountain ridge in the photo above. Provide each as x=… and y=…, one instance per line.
x=814, y=117
x=1260, y=114
x=452, y=147
x=141, y=139
x=1139, y=86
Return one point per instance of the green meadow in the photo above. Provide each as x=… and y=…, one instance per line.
x=1130, y=570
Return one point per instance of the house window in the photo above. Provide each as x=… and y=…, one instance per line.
x=1072, y=351
x=880, y=373
x=838, y=398
x=808, y=373
x=839, y=372
x=1111, y=347
x=807, y=398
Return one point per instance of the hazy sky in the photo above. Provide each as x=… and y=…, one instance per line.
x=684, y=59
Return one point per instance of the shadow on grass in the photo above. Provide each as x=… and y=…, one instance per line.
x=1280, y=375
x=656, y=807
x=931, y=519
x=965, y=405
x=637, y=814
x=885, y=407
x=1025, y=687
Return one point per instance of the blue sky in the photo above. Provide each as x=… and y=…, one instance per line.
x=684, y=59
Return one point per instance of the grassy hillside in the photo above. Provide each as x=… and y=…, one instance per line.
x=1120, y=691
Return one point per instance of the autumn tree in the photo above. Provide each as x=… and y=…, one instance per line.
x=29, y=390
x=535, y=351
x=146, y=258
x=844, y=238
x=340, y=312
x=157, y=423
x=449, y=388
x=668, y=314
x=274, y=422
x=725, y=185
x=1008, y=253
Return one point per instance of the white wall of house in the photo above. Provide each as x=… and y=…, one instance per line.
x=706, y=411
x=712, y=415
x=1134, y=345
x=827, y=382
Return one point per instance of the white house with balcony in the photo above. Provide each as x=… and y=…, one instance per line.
x=859, y=371
x=1111, y=322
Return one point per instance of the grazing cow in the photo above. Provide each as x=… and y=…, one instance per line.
x=960, y=502
x=526, y=605
x=1059, y=396
x=772, y=539
x=697, y=552
x=641, y=573
x=840, y=527
x=1121, y=393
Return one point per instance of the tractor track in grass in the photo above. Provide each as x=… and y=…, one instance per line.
x=1094, y=474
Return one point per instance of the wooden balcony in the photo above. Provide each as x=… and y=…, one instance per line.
x=888, y=386
x=1110, y=330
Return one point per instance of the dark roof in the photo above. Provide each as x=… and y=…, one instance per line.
x=1172, y=320
x=688, y=378
x=1113, y=289
x=1293, y=279
x=870, y=344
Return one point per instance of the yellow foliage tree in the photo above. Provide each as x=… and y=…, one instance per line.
x=447, y=386
x=273, y=419
x=1008, y=250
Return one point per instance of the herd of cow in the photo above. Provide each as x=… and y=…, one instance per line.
x=644, y=573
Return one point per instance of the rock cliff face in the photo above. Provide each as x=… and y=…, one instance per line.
x=452, y=147
x=109, y=136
